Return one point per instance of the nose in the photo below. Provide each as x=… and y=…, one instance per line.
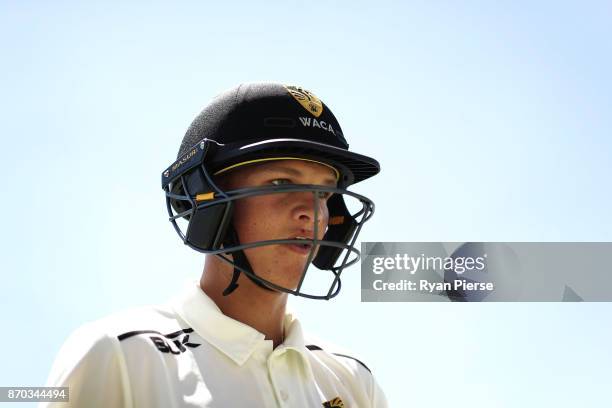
x=303, y=210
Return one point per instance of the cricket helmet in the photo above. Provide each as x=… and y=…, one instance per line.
x=254, y=123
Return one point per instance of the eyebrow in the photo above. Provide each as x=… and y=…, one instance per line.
x=293, y=172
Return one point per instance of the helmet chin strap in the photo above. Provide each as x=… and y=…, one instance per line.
x=240, y=260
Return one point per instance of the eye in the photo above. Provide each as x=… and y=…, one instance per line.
x=279, y=182
x=324, y=194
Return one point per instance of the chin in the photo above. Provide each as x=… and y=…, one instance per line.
x=288, y=278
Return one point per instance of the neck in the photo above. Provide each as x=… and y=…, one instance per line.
x=259, y=308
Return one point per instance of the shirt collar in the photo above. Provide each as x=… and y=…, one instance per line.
x=233, y=338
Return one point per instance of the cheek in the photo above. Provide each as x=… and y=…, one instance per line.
x=261, y=218
x=251, y=219
x=324, y=213
x=323, y=219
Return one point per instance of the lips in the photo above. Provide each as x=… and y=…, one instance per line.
x=302, y=249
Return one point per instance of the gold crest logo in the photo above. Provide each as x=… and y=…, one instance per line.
x=307, y=99
x=334, y=403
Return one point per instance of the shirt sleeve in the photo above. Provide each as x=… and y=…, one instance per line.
x=90, y=363
x=379, y=400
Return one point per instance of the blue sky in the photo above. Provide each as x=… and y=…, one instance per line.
x=491, y=122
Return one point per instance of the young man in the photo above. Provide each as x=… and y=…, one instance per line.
x=259, y=185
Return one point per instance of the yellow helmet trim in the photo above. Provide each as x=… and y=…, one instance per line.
x=205, y=196
x=277, y=158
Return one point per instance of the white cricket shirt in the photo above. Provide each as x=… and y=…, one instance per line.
x=187, y=353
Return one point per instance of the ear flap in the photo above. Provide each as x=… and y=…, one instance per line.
x=207, y=226
x=341, y=229
x=176, y=187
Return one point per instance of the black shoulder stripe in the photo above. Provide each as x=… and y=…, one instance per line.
x=169, y=335
x=313, y=347
x=360, y=362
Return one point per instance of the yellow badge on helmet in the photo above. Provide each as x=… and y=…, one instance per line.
x=335, y=403
x=307, y=99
